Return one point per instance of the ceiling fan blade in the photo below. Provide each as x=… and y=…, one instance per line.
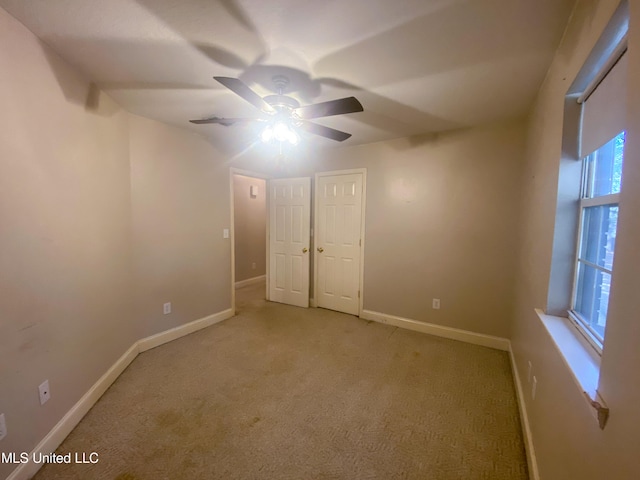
x=323, y=131
x=227, y=122
x=332, y=107
x=238, y=87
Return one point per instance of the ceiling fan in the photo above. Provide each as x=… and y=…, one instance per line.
x=284, y=115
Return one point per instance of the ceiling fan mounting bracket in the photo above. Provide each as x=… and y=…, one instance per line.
x=281, y=82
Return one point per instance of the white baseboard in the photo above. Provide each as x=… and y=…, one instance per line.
x=60, y=431
x=63, y=428
x=250, y=281
x=524, y=418
x=438, y=330
x=182, y=330
x=477, y=339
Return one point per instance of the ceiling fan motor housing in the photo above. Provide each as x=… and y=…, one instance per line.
x=282, y=102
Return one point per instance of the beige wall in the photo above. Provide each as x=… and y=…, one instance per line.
x=65, y=236
x=180, y=206
x=250, y=225
x=86, y=188
x=567, y=440
x=441, y=222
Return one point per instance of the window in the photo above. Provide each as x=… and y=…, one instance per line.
x=601, y=183
x=590, y=195
x=602, y=138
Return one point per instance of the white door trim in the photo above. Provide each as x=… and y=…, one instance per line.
x=232, y=233
x=350, y=171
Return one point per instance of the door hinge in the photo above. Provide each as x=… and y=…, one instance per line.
x=360, y=242
x=358, y=293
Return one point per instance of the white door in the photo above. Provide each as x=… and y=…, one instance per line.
x=289, y=234
x=338, y=241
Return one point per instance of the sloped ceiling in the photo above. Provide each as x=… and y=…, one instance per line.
x=417, y=66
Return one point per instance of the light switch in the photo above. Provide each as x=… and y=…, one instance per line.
x=225, y=233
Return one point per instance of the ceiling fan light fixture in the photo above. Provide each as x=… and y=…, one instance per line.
x=294, y=138
x=280, y=132
x=267, y=134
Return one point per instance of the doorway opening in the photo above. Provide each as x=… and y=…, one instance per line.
x=248, y=229
x=273, y=242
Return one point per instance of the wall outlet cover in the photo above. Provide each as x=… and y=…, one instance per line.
x=3, y=427
x=166, y=308
x=45, y=392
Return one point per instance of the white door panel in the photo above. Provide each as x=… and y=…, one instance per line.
x=290, y=226
x=339, y=210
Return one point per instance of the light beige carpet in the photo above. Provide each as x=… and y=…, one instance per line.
x=280, y=392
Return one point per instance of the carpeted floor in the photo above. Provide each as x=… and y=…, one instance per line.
x=280, y=392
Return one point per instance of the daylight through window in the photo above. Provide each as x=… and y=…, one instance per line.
x=602, y=180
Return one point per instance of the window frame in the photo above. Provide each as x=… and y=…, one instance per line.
x=587, y=201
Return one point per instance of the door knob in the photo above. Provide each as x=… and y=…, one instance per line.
x=320, y=249
x=305, y=250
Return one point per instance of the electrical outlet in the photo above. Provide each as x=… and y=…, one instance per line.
x=166, y=308
x=436, y=304
x=225, y=233
x=534, y=387
x=45, y=392
x=529, y=372
x=253, y=266
x=3, y=427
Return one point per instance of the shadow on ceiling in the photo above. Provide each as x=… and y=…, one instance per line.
x=482, y=42
x=483, y=31
x=75, y=87
x=407, y=121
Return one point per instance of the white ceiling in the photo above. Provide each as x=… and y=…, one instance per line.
x=417, y=66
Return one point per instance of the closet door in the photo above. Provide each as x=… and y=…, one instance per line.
x=338, y=241
x=289, y=235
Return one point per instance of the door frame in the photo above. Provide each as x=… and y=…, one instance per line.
x=232, y=232
x=331, y=173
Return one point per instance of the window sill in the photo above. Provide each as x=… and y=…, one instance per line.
x=580, y=357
